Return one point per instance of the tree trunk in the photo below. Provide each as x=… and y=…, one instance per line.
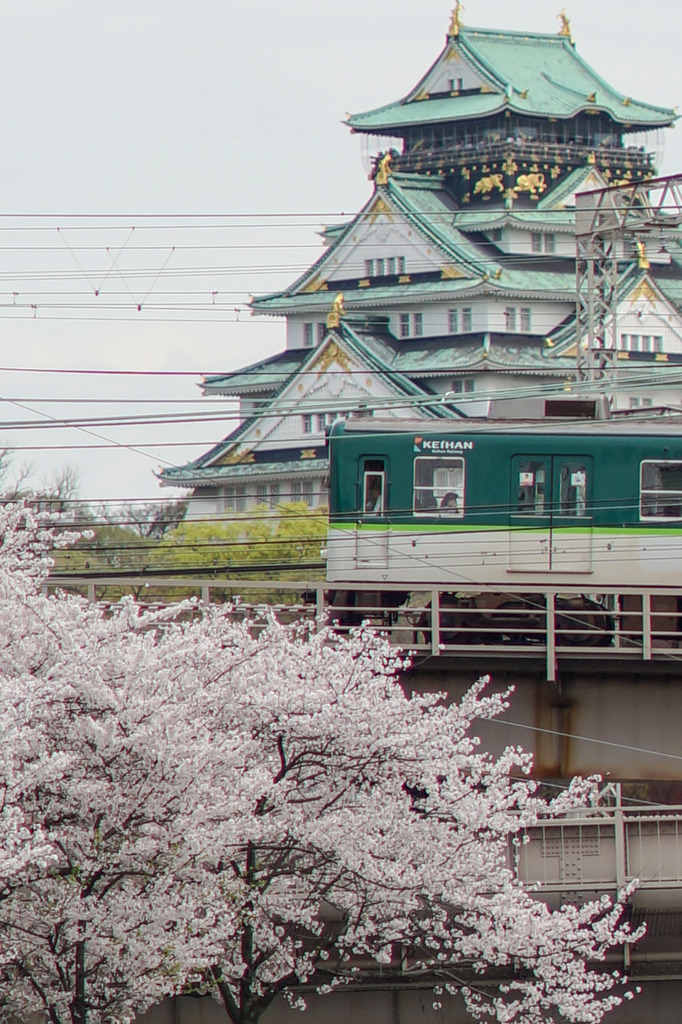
x=249, y=1011
x=79, y=1011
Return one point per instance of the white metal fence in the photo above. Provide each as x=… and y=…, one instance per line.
x=542, y=622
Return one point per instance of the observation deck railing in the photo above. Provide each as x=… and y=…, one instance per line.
x=575, y=154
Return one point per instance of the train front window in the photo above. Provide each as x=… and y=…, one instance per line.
x=439, y=486
x=660, y=493
x=374, y=487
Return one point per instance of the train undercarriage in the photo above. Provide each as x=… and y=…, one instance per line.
x=443, y=619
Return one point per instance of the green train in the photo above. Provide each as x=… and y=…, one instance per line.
x=584, y=503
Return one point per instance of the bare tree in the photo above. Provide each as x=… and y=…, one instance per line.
x=150, y=520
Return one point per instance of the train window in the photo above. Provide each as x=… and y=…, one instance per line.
x=374, y=487
x=439, y=486
x=532, y=494
x=573, y=489
x=660, y=495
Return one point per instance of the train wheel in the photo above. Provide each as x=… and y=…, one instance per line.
x=594, y=629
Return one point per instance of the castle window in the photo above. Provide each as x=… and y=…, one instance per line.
x=296, y=490
x=240, y=499
x=308, y=335
x=307, y=424
x=642, y=342
x=274, y=492
x=510, y=318
x=404, y=325
x=467, y=320
x=543, y=242
x=463, y=386
x=308, y=492
x=321, y=331
x=453, y=321
x=261, y=493
x=525, y=319
x=418, y=324
x=385, y=266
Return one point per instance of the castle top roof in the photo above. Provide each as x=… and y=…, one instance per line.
x=483, y=72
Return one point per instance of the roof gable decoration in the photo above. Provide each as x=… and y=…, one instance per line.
x=643, y=296
x=537, y=74
x=333, y=379
x=648, y=321
x=452, y=73
x=583, y=179
x=382, y=242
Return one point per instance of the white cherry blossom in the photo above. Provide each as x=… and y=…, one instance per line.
x=193, y=803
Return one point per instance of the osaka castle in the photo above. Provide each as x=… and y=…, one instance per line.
x=456, y=282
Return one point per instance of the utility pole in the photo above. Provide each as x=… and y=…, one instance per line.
x=604, y=219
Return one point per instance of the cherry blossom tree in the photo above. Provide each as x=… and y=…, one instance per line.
x=372, y=830
x=101, y=715
x=241, y=809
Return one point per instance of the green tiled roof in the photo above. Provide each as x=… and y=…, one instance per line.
x=405, y=366
x=433, y=211
x=429, y=209
x=194, y=475
x=267, y=375
x=528, y=73
x=434, y=357
x=577, y=181
x=377, y=350
x=544, y=284
x=526, y=220
x=405, y=113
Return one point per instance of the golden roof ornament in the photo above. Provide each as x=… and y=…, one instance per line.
x=337, y=311
x=642, y=259
x=565, y=29
x=456, y=23
x=383, y=169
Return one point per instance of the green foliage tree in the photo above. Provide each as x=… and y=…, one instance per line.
x=264, y=544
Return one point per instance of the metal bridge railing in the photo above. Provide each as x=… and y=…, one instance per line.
x=635, y=624
x=604, y=849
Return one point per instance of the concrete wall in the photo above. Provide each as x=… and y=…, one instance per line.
x=659, y=1001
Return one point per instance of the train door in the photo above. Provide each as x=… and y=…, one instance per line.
x=371, y=536
x=550, y=514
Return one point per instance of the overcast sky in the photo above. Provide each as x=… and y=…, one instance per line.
x=178, y=117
